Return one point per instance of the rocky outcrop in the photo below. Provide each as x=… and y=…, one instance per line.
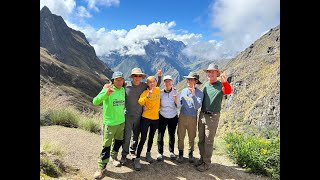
x=254, y=105
x=68, y=45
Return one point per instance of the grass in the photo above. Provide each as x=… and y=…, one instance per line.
x=52, y=148
x=48, y=166
x=56, y=109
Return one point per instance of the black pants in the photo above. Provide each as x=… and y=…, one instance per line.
x=172, y=125
x=144, y=127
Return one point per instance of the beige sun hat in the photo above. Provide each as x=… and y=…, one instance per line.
x=212, y=67
x=137, y=71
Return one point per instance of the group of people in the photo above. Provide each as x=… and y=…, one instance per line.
x=134, y=108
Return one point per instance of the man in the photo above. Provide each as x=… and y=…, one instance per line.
x=113, y=98
x=213, y=91
x=191, y=99
x=133, y=111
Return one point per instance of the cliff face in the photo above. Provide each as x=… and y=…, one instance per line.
x=68, y=45
x=254, y=105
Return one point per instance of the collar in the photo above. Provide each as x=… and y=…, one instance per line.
x=164, y=90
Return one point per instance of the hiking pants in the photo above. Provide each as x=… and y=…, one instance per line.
x=186, y=123
x=145, y=124
x=207, y=128
x=172, y=125
x=131, y=134
x=112, y=135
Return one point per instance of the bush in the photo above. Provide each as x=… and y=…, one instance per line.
x=64, y=118
x=45, y=119
x=48, y=168
x=257, y=154
x=90, y=125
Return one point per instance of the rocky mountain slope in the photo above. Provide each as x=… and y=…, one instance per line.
x=254, y=105
x=69, y=62
x=68, y=45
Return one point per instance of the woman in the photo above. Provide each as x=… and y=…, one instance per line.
x=150, y=100
x=168, y=116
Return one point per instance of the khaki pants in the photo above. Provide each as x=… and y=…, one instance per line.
x=207, y=128
x=188, y=123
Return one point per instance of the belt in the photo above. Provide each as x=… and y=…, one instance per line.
x=209, y=112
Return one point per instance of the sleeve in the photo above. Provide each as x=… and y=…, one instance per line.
x=159, y=81
x=143, y=98
x=226, y=89
x=100, y=97
x=197, y=99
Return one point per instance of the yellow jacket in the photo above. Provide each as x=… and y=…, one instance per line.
x=152, y=104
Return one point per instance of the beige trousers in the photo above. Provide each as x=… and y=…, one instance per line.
x=186, y=123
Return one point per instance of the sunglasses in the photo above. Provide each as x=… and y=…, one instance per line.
x=137, y=75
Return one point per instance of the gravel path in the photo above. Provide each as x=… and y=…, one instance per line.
x=81, y=150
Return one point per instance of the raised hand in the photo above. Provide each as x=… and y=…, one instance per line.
x=159, y=72
x=223, y=77
x=109, y=88
x=192, y=89
x=174, y=95
x=150, y=92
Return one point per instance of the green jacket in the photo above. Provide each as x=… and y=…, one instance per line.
x=113, y=105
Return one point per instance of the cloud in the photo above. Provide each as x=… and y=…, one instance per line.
x=92, y=4
x=62, y=8
x=132, y=42
x=83, y=13
x=241, y=22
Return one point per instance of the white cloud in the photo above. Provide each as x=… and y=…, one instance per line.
x=241, y=22
x=83, y=13
x=59, y=7
x=132, y=42
x=92, y=4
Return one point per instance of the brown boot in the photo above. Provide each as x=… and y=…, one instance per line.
x=100, y=173
x=199, y=162
x=203, y=167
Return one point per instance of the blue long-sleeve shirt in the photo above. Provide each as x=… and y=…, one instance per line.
x=189, y=103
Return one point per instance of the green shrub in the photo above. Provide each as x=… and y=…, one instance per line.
x=49, y=168
x=45, y=119
x=64, y=118
x=90, y=125
x=257, y=154
x=52, y=148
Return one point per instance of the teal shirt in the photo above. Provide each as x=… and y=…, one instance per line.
x=212, y=97
x=113, y=106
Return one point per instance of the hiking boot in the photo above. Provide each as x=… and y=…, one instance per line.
x=100, y=173
x=172, y=156
x=198, y=163
x=159, y=157
x=116, y=163
x=180, y=158
x=149, y=158
x=136, y=164
x=203, y=167
x=123, y=160
x=191, y=158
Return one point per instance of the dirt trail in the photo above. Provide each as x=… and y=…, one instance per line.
x=81, y=150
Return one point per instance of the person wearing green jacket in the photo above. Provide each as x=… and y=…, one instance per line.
x=112, y=96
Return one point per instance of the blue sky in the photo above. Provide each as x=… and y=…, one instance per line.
x=211, y=29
